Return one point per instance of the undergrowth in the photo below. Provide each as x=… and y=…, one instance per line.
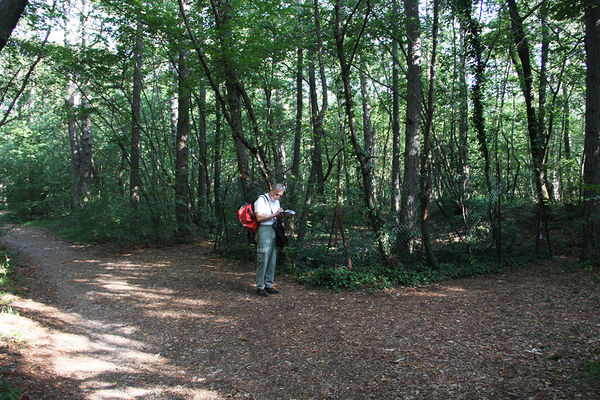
x=376, y=276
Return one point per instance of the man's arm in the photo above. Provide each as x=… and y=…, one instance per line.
x=265, y=216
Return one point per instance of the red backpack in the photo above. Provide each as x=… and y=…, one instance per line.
x=247, y=217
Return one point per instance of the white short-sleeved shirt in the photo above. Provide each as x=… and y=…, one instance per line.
x=264, y=205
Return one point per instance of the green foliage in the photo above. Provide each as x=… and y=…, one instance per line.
x=313, y=270
x=33, y=171
x=108, y=220
x=7, y=392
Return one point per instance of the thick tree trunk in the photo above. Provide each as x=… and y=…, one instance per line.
x=10, y=12
x=409, y=217
x=591, y=170
x=136, y=106
x=182, y=150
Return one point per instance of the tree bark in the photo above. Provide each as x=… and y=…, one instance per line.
x=426, y=156
x=86, y=165
x=366, y=168
x=536, y=136
x=295, y=167
x=526, y=77
x=182, y=150
x=136, y=106
x=409, y=218
x=74, y=143
x=317, y=126
x=369, y=133
x=395, y=173
x=202, y=208
x=11, y=11
x=591, y=169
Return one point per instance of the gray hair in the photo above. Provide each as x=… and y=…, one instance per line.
x=279, y=186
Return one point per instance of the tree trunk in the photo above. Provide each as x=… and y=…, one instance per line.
x=426, y=157
x=202, y=208
x=526, y=77
x=395, y=173
x=410, y=191
x=219, y=213
x=317, y=126
x=182, y=150
x=472, y=33
x=536, y=137
x=591, y=169
x=366, y=168
x=75, y=150
x=11, y=11
x=136, y=106
x=280, y=153
x=86, y=165
x=369, y=133
x=295, y=167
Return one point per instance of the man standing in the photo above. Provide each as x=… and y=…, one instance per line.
x=266, y=209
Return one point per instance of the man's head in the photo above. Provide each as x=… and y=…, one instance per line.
x=277, y=191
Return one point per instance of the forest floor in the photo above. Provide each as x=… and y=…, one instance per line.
x=103, y=322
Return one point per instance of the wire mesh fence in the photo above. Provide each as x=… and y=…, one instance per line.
x=478, y=228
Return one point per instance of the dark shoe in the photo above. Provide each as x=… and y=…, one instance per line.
x=262, y=292
x=270, y=290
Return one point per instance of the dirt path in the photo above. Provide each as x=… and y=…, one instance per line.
x=179, y=323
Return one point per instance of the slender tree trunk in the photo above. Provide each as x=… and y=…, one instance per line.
x=11, y=11
x=463, y=133
x=235, y=93
x=526, y=77
x=217, y=173
x=565, y=187
x=409, y=217
x=591, y=169
x=472, y=33
x=395, y=173
x=536, y=137
x=366, y=168
x=202, y=209
x=75, y=149
x=86, y=165
x=426, y=158
x=369, y=133
x=87, y=162
x=317, y=126
x=295, y=167
x=280, y=153
x=182, y=150
x=136, y=106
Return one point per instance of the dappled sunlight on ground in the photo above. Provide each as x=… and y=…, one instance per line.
x=177, y=323
x=97, y=360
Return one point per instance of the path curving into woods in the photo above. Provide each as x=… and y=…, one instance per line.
x=101, y=322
